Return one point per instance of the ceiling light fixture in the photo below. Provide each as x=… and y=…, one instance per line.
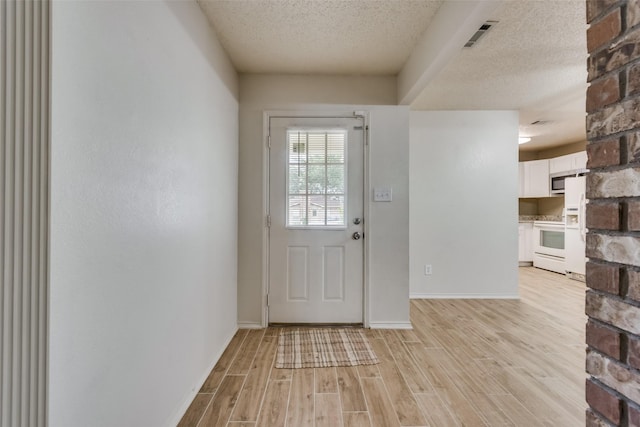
x=523, y=139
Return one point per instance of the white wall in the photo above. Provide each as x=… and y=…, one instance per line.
x=259, y=89
x=389, y=236
x=464, y=177
x=143, y=211
x=389, y=222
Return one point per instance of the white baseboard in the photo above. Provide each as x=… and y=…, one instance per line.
x=390, y=325
x=249, y=325
x=192, y=394
x=461, y=296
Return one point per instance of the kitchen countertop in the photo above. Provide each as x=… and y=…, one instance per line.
x=531, y=218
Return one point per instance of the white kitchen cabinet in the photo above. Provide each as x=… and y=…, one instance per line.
x=569, y=162
x=525, y=243
x=579, y=160
x=561, y=164
x=520, y=179
x=535, y=178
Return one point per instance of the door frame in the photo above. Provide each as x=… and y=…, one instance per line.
x=366, y=196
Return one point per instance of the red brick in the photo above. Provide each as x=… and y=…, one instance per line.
x=633, y=215
x=633, y=352
x=604, y=30
x=602, y=93
x=603, y=339
x=634, y=416
x=603, y=216
x=633, y=291
x=603, y=277
x=624, y=51
x=603, y=401
x=596, y=7
x=602, y=154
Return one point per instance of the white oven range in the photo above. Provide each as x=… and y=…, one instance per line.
x=548, y=245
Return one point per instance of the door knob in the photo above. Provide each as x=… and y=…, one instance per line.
x=356, y=235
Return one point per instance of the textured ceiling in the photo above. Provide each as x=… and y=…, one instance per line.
x=533, y=60
x=373, y=37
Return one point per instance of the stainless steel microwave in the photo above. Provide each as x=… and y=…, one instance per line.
x=556, y=180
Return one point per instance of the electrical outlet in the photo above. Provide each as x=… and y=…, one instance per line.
x=427, y=270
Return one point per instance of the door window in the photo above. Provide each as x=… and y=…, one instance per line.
x=316, y=178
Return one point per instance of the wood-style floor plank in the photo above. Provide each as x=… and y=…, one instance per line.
x=275, y=398
x=466, y=363
x=532, y=397
x=326, y=380
x=254, y=387
x=410, y=372
x=301, y=408
x=219, y=410
x=463, y=410
x=196, y=410
x=436, y=411
x=515, y=410
x=351, y=395
x=327, y=410
x=368, y=371
x=217, y=373
x=403, y=402
x=356, y=419
x=381, y=410
x=242, y=363
x=279, y=374
x=406, y=335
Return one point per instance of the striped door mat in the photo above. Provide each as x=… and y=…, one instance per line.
x=321, y=348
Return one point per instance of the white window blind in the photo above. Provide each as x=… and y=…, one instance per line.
x=316, y=178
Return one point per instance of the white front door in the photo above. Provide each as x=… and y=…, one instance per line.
x=316, y=215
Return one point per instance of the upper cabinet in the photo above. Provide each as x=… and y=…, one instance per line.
x=570, y=162
x=560, y=164
x=580, y=160
x=534, y=178
x=534, y=175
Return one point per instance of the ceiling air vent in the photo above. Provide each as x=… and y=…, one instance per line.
x=481, y=32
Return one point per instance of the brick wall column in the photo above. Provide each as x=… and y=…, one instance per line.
x=613, y=213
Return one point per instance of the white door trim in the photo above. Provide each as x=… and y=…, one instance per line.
x=266, y=118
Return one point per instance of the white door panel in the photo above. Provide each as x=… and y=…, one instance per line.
x=315, y=195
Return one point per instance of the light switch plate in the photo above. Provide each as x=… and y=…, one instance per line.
x=382, y=194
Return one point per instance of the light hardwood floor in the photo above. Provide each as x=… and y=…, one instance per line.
x=465, y=363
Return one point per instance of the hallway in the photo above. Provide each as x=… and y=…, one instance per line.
x=466, y=362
